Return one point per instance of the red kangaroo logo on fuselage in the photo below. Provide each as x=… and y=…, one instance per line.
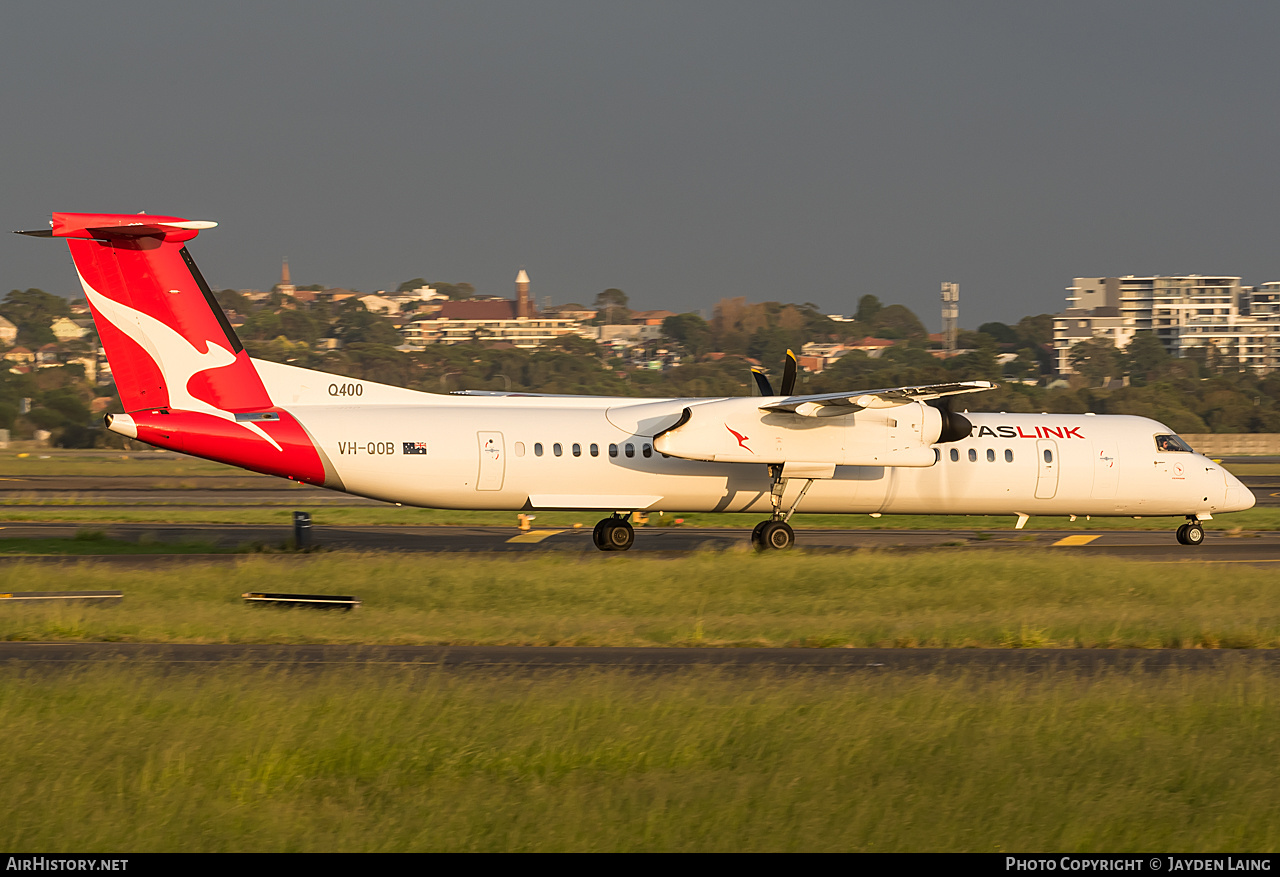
x=742, y=439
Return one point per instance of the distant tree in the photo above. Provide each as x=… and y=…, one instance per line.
x=32, y=311
x=967, y=340
x=1035, y=331
x=897, y=321
x=230, y=300
x=300, y=325
x=1002, y=333
x=868, y=307
x=768, y=346
x=1095, y=358
x=1144, y=357
x=612, y=306
x=577, y=344
x=260, y=325
x=690, y=331
x=410, y=285
x=355, y=324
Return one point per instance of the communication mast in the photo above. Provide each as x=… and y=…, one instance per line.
x=950, y=313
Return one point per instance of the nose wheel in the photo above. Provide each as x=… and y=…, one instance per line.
x=1191, y=533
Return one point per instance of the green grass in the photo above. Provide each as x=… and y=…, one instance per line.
x=941, y=598
x=56, y=461
x=246, y=759
x=74, y=547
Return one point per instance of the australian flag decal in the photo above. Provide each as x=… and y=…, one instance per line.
x=415, y=447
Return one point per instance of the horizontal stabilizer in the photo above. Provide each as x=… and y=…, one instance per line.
x=104, y=226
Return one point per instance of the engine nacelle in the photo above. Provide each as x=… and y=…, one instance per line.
x=737, y=431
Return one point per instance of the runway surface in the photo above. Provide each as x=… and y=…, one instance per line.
x=1157, y=546
x=647, y=660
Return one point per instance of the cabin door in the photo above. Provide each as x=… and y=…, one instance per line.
x=1048, y=465
x=493, y=461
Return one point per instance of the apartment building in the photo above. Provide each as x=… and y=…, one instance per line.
x=480, y=322
x=1190, y=314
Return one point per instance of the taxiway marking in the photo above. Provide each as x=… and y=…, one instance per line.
x=1078, y=539
x=534, y=536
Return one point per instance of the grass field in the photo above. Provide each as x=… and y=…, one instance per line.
x=234, y=759
x=712, y=599
x=96, y=542
x=244, y=758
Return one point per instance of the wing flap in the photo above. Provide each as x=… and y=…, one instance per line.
x=861, y=399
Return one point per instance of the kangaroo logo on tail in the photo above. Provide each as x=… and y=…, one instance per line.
x=176, y=357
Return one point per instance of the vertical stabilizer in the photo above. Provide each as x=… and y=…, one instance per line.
x=168, y=341
x=184, y=379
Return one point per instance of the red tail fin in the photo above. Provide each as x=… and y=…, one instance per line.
x=181, y=372
x=168, y=341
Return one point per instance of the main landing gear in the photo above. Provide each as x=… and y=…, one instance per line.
x=613, y=534
x=776, y=534
x=1191, y=533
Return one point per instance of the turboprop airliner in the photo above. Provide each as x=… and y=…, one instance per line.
x=187, y=384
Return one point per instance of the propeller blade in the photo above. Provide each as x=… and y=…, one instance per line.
x=789, y=373
x=761, y=386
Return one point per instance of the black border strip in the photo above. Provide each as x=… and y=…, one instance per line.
x=234, y=339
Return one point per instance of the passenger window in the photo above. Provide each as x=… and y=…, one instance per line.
x=646, y=449
x=1048, y=455
x=613, y=450
x=991, y=455
x=595, y=449
x=1008, y=455
x=630, y=450
x=577, y=449
x=973, y=456
x=955, y=455
x=519, y=449
x=556, y=449
x=537, y=449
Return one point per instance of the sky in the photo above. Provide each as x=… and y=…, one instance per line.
x=683, y=152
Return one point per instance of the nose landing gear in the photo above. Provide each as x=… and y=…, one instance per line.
x=1191, y=533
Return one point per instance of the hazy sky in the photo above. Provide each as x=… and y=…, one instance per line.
x=683, y=152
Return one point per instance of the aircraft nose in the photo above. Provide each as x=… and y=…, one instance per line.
x=1238, y=496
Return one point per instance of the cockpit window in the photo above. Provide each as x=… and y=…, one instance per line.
x=1172, y=443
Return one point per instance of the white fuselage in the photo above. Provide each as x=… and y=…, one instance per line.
x=531, y=453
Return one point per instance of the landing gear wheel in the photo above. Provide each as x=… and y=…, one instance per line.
x=618, y=536
x=756, y=542
x=613, y=534
x=1182, y=534
x=1193, y=534
x=776, y=535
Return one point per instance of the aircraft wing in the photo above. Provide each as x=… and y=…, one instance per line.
x=860, y=399
x=889, y=427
